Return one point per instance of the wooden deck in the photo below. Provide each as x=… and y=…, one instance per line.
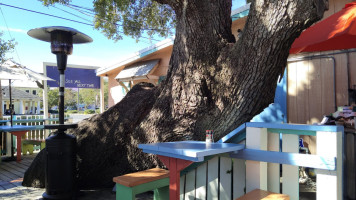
x=12, y=173
x=11, y=176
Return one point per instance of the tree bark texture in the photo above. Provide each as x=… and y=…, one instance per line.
x=213, y=82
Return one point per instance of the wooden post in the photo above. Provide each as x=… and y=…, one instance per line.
x=329, y=183
x=273, y=168
x=256, y=172
x=22, y=105
x=18, y=135
x=45, y=101
x=290, y=185
x=102, y=89
x=175, y=165
x=8, y=143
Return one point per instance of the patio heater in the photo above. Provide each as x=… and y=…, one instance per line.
x=60, y=169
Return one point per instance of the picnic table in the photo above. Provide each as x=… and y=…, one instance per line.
x=18, y=131
x=179, y=155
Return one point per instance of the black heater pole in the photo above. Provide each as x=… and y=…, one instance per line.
x=60, y=171
x=61, y=97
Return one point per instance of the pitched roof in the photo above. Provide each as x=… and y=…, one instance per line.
x=18, y=94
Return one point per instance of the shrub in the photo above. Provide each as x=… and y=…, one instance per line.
x=89, y=111
x=71, y=111
x=53, y=111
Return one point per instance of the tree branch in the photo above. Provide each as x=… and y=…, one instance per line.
x=172, y=3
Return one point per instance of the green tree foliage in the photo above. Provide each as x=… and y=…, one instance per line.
x=52, y=97
x=89, y=96
x=5, y=47
x=70, y=97
x=130, y=17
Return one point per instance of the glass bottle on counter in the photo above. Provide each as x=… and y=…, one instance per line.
x=209, y=138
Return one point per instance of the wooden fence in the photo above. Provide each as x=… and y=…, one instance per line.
x=28, y=120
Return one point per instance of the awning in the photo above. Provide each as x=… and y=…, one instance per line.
x=137, y=71
x=333, y=33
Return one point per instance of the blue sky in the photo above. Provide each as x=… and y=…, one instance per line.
x=32, y=53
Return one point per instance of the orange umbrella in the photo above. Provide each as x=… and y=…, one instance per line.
x=334, y=33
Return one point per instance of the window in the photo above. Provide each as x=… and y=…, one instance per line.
x=34, y=92
x=28, y=91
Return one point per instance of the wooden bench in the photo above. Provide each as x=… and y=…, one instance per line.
x=258, y=194
x=128, y=185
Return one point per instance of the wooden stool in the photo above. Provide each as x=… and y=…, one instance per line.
x=31, y=145
x=27, y=147
x=128, y=185
x=263, y=195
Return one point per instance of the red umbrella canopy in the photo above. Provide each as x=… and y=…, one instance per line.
x=334, y=33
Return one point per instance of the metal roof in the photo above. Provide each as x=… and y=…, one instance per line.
x=137, y=55
x=137, y=70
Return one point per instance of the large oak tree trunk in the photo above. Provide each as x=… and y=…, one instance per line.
x=213, y=82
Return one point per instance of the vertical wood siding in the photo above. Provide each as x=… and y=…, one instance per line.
x=220, y=178
x=310, y=83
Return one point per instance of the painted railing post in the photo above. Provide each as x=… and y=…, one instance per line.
x=256, y=172
x=290, y=174
x=273, y=169
x=8, y=144
x=46, y=131
x=329, y=183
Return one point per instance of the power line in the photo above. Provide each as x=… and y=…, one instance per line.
x=46, y=14
x=91, y=15
x=71, y=13
x=81, y=7
x=7, y=27
x=66, y=18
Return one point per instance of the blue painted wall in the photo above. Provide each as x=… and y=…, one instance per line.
x=277, y=111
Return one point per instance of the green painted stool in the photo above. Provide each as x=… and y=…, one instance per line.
x=128, y=185
x=27, y=147
x=30, y=145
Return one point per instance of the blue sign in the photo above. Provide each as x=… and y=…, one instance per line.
x=74, y=77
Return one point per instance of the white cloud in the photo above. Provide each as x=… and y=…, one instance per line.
x=12, y=30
